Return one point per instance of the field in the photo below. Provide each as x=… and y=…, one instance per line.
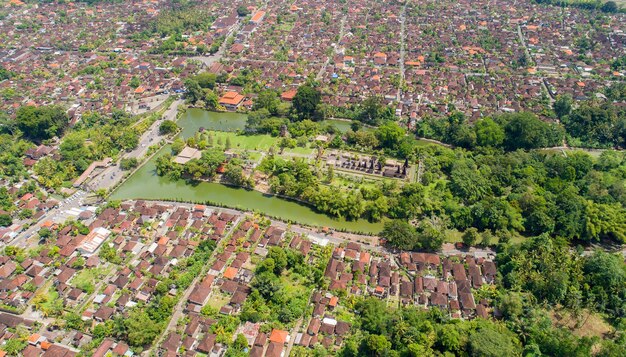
x=253, y=142
x=586, y=324
x=218, y=300
x=87, y=279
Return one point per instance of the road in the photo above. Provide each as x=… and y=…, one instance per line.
x=108, y=178
x=113, y=174
x=178, y=309
x=217, y=56
x=342, y=31
x=402, y=50
x=293, y=334
x=530, y=58
x=74, y=201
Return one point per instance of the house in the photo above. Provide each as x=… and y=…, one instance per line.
x=207, y=344
x=231, y=100
x=288, y=95
x=257, y=17
x=93, y=241
x=279, y=336
x=187, y=154
x=275, y=349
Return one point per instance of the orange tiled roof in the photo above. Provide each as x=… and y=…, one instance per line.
x=279, y=336
x=231, y=98
x=257, y=17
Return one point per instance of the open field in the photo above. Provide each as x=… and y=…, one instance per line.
x=253, y=142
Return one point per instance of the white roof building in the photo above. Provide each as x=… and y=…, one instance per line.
x=93, y=240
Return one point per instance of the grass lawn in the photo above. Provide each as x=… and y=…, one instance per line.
x=218, y=300
x=87, y=279
x=340, y=181
x=51, y=299
x=293, y=286
x=254, y=156
x=252, y=142
x=586, y=324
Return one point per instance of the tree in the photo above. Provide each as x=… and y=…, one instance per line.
x=377, y=345
x=206, y=80
x=511, y=305
x=305, y=101
x=470, y=237
x=609, y=7
x=14, y=346
x=41, y=123
x=168, y=127
x=525, y=131
x=489, y=133
x=374, y=315
x=430, y=236
x=389, y=135
x=594, y=125
x=242, y=11
x=373, y=110
x=141, y=329
x=177, y=146
x=604, y=221
x=134, y=82
x=267, y=284
x=211, y=100
x=5, y=220
x=193, y=91
x=267, y=99
x=467, y=182
x=280, y=259
x=562, y=105
x=240, y=342
x=606, y=271
x=399, y=234
x=128, y=163
x=492, y=340
x=74, y=321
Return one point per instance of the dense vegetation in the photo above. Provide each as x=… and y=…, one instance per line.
x=537, y=277
x=604, y=6
x=95, y=137
x=41, y=123
x=271, y=298
x=204, y=167
x=145, y=322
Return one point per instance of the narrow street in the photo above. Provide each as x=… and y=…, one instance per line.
x=402, y=50
x=113, y=174
x=342, y=31
x=293, y=333
x=522, y=40
x=178, y=309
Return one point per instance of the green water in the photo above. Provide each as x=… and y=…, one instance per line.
x=195, y=118
x=145, y=184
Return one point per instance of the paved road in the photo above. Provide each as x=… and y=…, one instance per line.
x=178, y=309
x=402, y=50
x=530, y=58
x=74, y=201
x=113, y=174
x=217, y=56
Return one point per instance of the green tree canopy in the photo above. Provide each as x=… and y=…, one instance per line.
x=41, y=123
x=305, y=101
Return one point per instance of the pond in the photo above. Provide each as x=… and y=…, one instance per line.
x=145, y=184
x=194, y=119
